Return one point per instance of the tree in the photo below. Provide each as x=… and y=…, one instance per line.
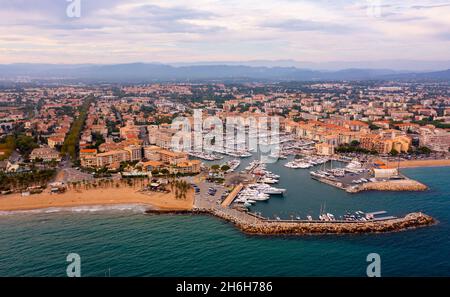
x=394, y=152
x=71, y=141
x=373, y=127
x=25, y=144
x=97, y=139
x=225, y=168
x=215, y=167
x=424, y=150
x=354, y=143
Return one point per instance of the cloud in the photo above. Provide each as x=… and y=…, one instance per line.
x=306, y=25
x=122, y=31
x=429, y=6
x=166, y=19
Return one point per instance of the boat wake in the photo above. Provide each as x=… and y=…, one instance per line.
x=135, y=208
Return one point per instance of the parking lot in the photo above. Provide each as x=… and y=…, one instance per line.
x=203, y=199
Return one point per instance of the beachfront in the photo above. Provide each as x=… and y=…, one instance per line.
x=91, y=197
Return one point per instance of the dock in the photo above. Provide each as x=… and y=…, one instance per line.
x=230, y=198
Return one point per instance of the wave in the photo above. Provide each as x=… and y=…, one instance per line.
x=135, y=208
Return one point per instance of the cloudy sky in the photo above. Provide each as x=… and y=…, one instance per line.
x=122, y=31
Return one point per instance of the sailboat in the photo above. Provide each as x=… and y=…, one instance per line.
x=322, y=215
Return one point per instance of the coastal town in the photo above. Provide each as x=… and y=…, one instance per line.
x=74, y=145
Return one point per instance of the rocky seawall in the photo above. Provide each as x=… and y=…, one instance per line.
x=393, y=185
x=413, y=220
x=251, y=224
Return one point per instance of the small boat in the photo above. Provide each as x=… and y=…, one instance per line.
x=233, y=164
x=331, y=217
x=268, y=180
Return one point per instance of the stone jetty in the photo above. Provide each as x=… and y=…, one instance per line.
x=251, y=223
x=261, y=227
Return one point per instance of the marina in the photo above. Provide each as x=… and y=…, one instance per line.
x=279, y=254
x=265, y=199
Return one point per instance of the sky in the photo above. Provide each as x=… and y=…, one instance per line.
x=169, y=31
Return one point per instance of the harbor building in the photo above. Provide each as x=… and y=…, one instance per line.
x=325, y=149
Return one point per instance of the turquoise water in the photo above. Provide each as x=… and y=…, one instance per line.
x=129, y=243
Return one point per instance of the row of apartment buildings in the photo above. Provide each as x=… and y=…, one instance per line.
x=158, y=158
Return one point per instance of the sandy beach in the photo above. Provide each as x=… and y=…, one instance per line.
x=110, y=196
x=420, y=163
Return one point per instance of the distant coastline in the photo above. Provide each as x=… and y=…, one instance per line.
x=419, y=163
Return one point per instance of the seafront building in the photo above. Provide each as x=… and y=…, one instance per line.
x=435, y=139
x=132, y=124
x=385, y=142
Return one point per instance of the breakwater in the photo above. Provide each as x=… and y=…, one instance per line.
x=257, y=226
x=254, y=224
x=392, y=185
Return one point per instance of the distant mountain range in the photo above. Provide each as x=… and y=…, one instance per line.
x=142, y=72
x=400, y=65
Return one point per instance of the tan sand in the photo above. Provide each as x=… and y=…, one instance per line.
x=420, y=163
x=109, y=196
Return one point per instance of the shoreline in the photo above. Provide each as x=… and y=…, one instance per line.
x=96, y=197
x=82, y=209
x=165, y=203
x=265, y=228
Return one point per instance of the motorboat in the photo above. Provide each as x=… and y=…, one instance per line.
x=233, y=164
x=268, y=180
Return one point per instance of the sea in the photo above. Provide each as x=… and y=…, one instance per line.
x=124, y=241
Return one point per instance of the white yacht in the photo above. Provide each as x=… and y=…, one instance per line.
x=354, y=164
x=264, y=188
x=268, y=180
x=233, y=164
x=298, y=164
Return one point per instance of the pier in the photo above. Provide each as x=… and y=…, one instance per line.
x=230, y=198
